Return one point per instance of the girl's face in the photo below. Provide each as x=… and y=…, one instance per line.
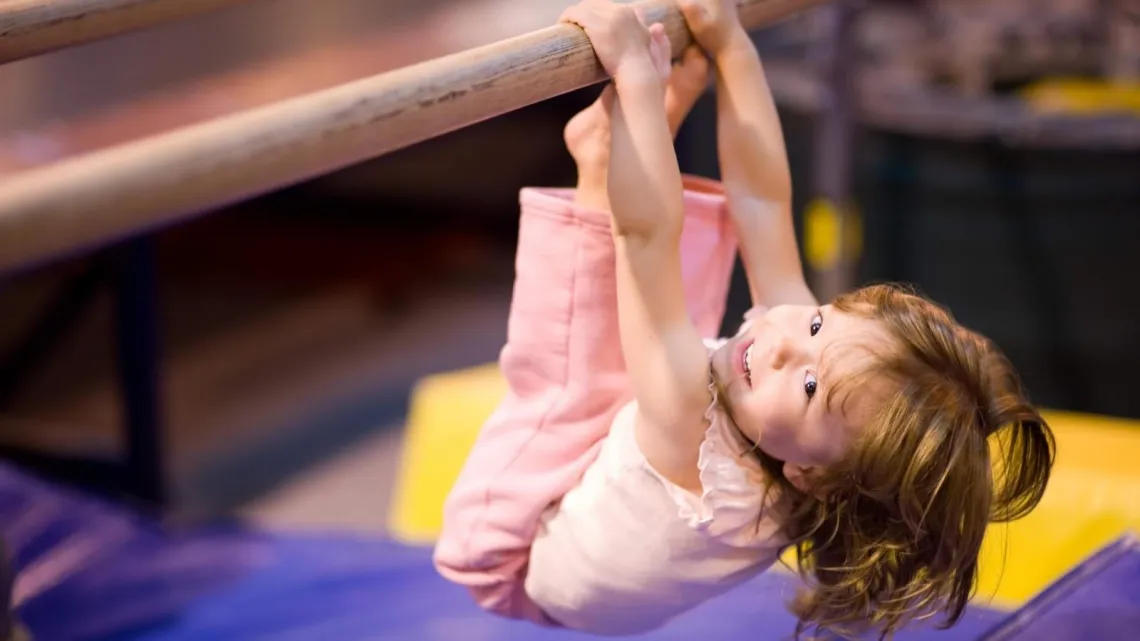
x=776, y=373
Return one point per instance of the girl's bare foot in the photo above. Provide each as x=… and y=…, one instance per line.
x=587, y=135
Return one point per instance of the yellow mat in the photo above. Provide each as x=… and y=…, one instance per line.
x=1093, y=498
x=1082, y=97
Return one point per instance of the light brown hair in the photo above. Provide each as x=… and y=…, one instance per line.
x=892, y=533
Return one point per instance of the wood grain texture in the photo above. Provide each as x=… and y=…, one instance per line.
x=33, y=27
x=105, y=196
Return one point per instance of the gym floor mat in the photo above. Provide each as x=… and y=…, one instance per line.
x=93, y=571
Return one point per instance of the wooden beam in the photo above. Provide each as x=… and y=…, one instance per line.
x=103, y=197
x=32, y=27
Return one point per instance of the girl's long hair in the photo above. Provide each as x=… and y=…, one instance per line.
x=892, y=533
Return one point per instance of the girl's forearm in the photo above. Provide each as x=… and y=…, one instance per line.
x=756, y=176
x=749, y=137
x=644, y=178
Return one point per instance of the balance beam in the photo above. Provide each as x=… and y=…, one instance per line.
x=32, y=27
x=100, y=198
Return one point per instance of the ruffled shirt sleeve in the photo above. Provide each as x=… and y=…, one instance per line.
x=733, y=488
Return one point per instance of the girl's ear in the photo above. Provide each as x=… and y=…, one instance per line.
x=801, y=477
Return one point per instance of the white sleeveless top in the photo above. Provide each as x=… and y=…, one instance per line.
x=626, y=550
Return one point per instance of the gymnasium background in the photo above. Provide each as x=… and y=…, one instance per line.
x=258, y=364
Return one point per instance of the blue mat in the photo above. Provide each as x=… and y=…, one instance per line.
x=126, y=579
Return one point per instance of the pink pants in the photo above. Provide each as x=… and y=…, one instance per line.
x=566, y=376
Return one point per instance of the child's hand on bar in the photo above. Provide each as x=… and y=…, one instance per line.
x=715, y=24
x=627, y=49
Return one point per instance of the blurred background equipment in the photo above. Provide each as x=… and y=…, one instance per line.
x=33, y=27
x=985, y=152
x=242, y=426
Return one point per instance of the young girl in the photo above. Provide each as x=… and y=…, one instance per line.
x=636, y=469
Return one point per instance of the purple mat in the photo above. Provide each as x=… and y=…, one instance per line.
x=364, y=589
x=1099, y=600
x=135, y=581
x=89, y=570
x=119, y=577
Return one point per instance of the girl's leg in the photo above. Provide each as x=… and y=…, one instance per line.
x=566, y=380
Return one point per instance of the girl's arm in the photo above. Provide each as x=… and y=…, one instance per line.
x=757, y=180
x=665, y=357
x=753, y=160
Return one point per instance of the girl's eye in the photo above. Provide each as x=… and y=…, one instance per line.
x=816, y=324
x=810, y=385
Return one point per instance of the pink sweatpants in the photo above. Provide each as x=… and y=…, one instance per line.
x=566, y=376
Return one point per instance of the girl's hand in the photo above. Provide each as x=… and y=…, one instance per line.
x=714, y=24
x=622, y=43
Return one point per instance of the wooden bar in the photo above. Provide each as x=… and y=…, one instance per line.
x=32, y=27
x=103, y=197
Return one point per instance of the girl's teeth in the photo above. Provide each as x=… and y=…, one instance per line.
x=748, y=359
